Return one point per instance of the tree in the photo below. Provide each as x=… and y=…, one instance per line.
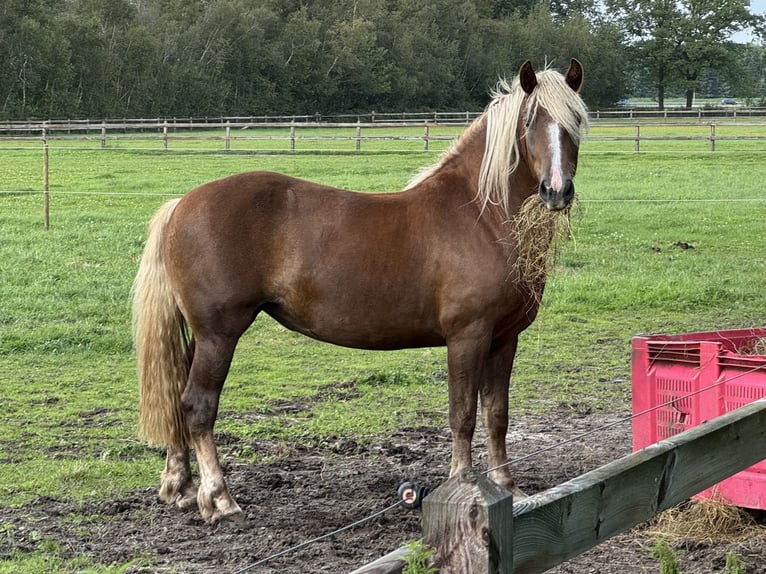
x=548, y=39
x=35, y=70
x=423, y=39
x=675, y=41
x=704, y=42
x=106, y=45
x=751, y=84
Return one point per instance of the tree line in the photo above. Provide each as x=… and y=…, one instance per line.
x=176, y=58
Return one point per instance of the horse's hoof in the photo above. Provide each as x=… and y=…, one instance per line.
x=182, y=495
x=188, y=500
x=517, y=493
x=236, y=522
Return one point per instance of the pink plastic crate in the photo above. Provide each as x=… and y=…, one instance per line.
x=668, y=367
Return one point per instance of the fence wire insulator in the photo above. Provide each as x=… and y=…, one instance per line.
x=411, y=494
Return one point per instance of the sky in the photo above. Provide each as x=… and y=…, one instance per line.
x=756, y=7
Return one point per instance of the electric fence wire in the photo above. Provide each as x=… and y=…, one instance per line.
x=297, y=547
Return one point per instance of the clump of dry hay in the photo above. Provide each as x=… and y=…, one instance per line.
x=759, y=346
x=706, y=521
x=754, y=347
x=539, y=235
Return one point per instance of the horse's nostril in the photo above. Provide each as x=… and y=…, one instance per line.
x=569, y=190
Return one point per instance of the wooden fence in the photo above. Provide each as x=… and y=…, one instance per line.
x=228, y=132
x=292, y=136
x=474, y=526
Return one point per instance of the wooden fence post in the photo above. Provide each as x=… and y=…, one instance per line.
x=46, y=193
x=228, y=135
x=468, y=521
x=358, y=136
x=425, y=137
x=292, y=137
x=712, y=136
x=638, y=138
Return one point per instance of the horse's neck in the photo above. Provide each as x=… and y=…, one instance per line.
x=523, y=184
x=458, y=175
x=459, y=169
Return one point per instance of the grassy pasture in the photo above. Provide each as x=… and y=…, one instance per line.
x=68, y=391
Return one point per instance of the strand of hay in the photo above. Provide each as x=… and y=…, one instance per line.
x=706, y=521
x=540, y=233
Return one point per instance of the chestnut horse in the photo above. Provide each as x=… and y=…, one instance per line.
x=427, y=266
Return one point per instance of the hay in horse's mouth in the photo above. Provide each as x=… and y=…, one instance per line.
x=539, y=235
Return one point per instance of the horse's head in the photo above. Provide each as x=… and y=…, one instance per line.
x=550, y=122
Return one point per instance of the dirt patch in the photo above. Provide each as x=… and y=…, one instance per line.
x=309, y=492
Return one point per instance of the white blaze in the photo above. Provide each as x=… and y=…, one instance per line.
x=557, y=177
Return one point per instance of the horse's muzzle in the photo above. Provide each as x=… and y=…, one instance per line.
x=557, y=200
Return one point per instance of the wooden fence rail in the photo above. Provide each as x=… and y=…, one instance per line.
x=636, y=112
x=473, y=527
x=296, y=135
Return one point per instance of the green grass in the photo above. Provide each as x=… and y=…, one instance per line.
x=68, y=390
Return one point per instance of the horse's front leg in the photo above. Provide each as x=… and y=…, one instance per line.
x=466, y=358
x=494, y=405
x=176, y=485
x=200, y=399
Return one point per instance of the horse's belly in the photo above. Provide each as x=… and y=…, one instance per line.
x=361, y=330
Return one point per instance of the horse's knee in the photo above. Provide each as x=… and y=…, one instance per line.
x=462, y=424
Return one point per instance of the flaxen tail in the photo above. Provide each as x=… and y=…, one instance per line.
x=162, y=348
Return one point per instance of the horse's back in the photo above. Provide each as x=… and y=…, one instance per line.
x=330, y=263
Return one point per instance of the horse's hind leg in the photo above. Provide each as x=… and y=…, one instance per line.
x=176, y=485
x=211, y=363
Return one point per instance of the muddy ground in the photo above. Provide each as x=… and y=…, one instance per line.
x=309, y=491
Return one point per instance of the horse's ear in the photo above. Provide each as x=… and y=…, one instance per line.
x=574, y=75
x=527, y=77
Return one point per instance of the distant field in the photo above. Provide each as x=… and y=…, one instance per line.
x=68, y=388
